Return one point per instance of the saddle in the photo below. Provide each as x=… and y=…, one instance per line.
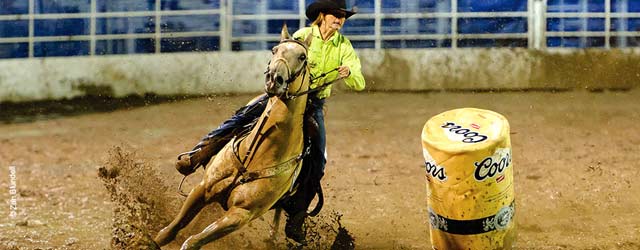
x=189, y=162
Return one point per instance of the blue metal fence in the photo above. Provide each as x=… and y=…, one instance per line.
x=41, y=28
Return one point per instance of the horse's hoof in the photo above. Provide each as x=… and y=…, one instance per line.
x=294, y=245
x=190, y=245
x=154, y=246
x=294, y=228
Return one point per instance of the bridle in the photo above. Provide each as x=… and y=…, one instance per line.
x=292, y=76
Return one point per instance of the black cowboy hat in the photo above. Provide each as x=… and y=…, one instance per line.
x=314, y=9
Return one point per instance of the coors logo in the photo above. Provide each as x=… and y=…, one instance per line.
x=457, y=132
x=435, y=171
x=493, y=165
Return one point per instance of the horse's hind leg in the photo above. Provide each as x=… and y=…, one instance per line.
x=232, y=220
x=192, y=205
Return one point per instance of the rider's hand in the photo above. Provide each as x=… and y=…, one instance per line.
x=344, y=71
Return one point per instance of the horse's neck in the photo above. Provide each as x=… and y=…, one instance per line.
x=287, y=115
x=278, y=133
x=284, y=115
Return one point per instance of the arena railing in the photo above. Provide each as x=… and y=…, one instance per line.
x=608, y=15
x=93, y=15
x=536, y=33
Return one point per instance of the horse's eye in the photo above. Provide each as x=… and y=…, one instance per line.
x=303, y=57
x=273, y=51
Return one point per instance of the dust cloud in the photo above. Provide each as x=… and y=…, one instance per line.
x=143, y=203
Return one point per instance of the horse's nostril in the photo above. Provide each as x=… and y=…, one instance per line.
x=279, y=79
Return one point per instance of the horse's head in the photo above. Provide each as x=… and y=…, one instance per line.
x=288, y=63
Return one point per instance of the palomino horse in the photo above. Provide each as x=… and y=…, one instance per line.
x=249, y=175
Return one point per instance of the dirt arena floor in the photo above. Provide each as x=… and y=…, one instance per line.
x=576, y=159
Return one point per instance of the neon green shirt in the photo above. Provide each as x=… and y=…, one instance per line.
x=327, y=55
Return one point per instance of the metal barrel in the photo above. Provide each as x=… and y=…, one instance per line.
x=469, y=175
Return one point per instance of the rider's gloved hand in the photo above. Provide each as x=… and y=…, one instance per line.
x=344, y=71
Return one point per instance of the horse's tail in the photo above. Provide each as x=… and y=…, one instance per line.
x=320, y=203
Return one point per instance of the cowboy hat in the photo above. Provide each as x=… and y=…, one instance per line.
x=314, y=9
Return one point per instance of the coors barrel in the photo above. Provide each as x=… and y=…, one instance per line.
x=469, y=175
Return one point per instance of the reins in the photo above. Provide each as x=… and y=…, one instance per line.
x=255, y=143
x=261, y=136
x=318, y=89
x=293, y=77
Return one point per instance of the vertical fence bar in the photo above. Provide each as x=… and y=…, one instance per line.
x=607, y=24
x=32, y=11
x=377, y=9
x=225, y=43
x=228, y=25
x=158, y=36
x=442, y=23
x=562, y=9
x=301, y=12
x=454, y=24
x=623, y=7
x=584, y=5
x=230, y=18
x=530, y=20
x=540, y=24
x=411, y=25
x=92, y=29
x=262, y=29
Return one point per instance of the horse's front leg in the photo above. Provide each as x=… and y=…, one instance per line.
x=191, y=207
x=202, y=194
x=232, y=220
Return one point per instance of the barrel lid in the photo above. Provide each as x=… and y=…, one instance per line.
x=465, y=129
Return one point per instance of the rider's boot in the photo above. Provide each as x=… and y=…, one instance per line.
x=294, y=227
x=200, y=155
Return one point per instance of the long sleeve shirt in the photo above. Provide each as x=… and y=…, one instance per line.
x=327, y=55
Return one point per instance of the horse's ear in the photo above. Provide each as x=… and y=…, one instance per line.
x=308, y=40
x=284, y=34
